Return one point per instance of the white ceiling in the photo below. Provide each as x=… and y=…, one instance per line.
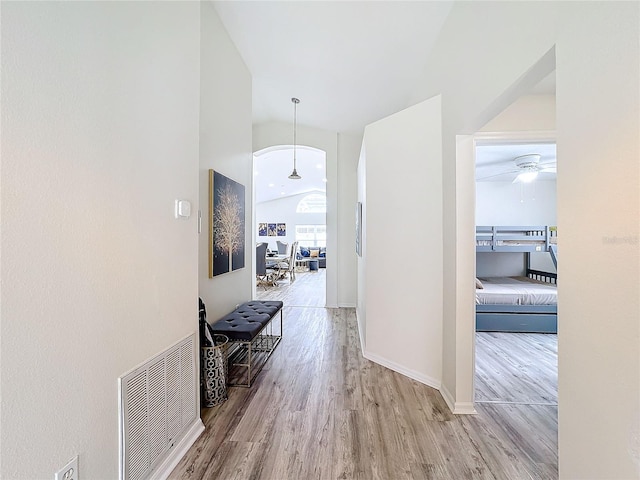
x=349, y=63
x=495, y=163
x=274, y=166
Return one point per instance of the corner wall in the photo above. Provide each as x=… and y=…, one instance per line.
x=596, y=47
x=598, y=113
x=402, y=256
x=100, y=106
x=225, y=146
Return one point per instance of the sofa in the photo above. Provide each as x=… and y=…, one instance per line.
x=313, y=252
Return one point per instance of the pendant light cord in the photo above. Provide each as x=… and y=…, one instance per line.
x=295, y=123
x=294, y=175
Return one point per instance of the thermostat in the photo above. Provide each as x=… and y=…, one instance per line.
x=183, y=209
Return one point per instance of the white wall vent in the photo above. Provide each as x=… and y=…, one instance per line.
x=158, y=403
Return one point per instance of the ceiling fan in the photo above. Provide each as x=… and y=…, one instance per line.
x=527, y=167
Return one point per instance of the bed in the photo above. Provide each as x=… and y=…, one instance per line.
x=523, y=239
x=525, y=303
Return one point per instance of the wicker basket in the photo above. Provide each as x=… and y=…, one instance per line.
x=213, y=378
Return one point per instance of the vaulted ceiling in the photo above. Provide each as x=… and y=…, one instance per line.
x=350, y=63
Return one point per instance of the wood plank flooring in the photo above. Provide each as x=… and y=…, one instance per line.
x=319, y=410
x=517, y=368
x=307, y=290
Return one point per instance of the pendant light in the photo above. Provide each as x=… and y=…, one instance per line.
x=294, y=175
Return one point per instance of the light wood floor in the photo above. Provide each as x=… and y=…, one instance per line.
x=307, y=290
x=319, y=410
x=517, y=368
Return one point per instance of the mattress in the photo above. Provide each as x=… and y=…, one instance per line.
x=515, y=291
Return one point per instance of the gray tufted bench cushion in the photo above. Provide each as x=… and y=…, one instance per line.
x=252, y=338
x=246, y=321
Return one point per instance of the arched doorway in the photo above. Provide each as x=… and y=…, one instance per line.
x=291, y=210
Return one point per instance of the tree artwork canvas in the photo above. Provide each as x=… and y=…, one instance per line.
x=226, y=224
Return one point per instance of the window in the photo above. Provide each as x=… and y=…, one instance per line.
x=314, y=203
x=311, y=235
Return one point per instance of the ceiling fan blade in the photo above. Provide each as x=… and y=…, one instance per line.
x=549, y=169
x=510, y=172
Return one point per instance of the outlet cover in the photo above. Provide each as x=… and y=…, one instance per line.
x=69, y=471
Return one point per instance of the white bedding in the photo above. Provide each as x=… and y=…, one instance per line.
x=515, y=291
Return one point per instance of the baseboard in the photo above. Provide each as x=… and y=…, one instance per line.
x=360, y=334
x=407, y=372
x=164, y=469
x=457, y=408
x=347, y=305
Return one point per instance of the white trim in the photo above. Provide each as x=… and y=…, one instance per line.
x=457, y=408
x=346, y=305
x=360, y=335
x=508, y=138
x=164, y=469
x=420, y=377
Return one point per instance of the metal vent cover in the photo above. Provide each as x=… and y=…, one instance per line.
x=158, y=401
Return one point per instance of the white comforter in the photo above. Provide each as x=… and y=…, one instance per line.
x=515, y=291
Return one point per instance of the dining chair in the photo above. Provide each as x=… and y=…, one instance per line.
x=265, y=274
x=282, y=247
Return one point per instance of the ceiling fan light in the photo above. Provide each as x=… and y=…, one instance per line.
x=527, y=177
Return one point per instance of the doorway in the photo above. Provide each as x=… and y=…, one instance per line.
x=292, y=214
x=515, y=210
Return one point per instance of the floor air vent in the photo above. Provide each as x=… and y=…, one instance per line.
x=158, y=403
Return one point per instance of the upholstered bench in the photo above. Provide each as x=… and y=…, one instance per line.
x=252, y=338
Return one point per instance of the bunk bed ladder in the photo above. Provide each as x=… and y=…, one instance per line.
x=553, y=250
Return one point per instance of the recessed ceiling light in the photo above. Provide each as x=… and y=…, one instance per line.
x=272, y=185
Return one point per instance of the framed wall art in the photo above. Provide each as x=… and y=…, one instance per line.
x=226, y=224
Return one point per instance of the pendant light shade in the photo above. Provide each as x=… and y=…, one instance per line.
x=294, y=175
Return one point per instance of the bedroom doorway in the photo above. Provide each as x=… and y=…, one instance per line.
x=516, y=272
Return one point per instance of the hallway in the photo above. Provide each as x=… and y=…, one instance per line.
x=319, y=410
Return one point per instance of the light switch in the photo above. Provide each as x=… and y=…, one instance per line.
x=183, y=209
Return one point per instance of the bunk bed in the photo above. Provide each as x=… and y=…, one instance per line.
x=518, y=304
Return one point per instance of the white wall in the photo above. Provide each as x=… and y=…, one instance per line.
x=596, y=59
x=225, y=146
x=403, y=245
x=99, y=137
x=598, y=108
x=283, y=210
x=361, y=302
x=348, y=154
x=528, y=113
x=506, y=203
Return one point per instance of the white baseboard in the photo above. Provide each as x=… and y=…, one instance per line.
x=347, y=305
x=360, y=334
x=407, y=372
x=164, y=469
x=457, y=408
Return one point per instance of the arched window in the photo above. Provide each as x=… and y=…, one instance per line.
x=313, y=203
